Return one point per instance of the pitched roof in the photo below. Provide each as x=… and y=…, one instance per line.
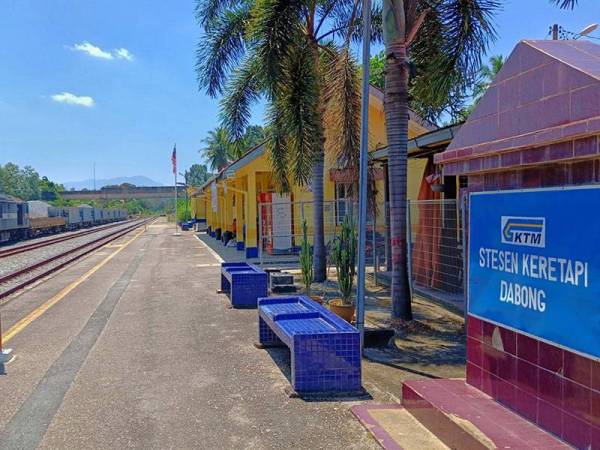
x=9, y=198
x=258, y=150
x=547, y=91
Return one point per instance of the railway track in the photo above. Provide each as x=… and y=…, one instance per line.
x=21, y=278
x=43, y=243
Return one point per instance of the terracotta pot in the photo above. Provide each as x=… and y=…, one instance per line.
x=317, y=298
x=346, y=312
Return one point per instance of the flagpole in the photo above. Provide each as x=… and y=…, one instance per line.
x=175, y=200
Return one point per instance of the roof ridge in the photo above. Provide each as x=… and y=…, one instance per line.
x=530, y=42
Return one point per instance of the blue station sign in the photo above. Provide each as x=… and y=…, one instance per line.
x=534, y=264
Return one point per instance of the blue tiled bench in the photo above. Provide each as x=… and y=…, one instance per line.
x=244, y=283
x=325, y=349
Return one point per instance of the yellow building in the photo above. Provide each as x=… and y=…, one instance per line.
x=230, y=200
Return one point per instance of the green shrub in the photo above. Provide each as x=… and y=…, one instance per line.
x=343, y=254
x=306, y=259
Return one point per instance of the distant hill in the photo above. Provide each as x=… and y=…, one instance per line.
x=139, y=180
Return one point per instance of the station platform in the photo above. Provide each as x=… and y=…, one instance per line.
x=142, y=352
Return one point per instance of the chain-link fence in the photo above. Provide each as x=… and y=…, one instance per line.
x=435, y=236
x=436, y=250
x=280, y=229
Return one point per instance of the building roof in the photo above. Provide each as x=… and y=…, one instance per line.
x=9, y=198
x=546, y=92
x=424, y=144
x=378, y=94
x=258, y=150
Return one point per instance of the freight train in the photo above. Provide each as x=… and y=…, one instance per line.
x=23, y=220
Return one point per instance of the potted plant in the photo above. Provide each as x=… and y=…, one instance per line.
x=343, y=254
x=306, y=263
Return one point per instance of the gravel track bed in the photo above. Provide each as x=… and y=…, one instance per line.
x=17, y=262
x=31, y=274
x=54, y=236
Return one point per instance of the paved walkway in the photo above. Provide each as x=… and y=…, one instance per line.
x=144, y=354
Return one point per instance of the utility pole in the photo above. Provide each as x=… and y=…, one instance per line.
x=363, y=177
x=94, y=174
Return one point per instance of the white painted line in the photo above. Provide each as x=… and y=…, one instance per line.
x=211, y=251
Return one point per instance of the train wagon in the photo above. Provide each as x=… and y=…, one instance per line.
x=97, y=216
x=86, y=214
x=71, y=213
x=14, y=218
x=38, y=208
x=40, y=226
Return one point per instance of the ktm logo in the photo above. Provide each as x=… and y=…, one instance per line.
x=525, y=231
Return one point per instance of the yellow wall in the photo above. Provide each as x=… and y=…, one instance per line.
x=198, y=206
x=255, y=178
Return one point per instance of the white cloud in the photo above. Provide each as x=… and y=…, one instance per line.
x=92, y=50
x=97, y=52
x=123, y=53
x=71, y=99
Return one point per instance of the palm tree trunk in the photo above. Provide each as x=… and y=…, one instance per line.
x=319, y=254
x=396, y=116
x=319, y=260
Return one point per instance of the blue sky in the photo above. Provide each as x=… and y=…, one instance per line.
x=113, y=82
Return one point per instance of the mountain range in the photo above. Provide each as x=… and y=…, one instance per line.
x=138, y=180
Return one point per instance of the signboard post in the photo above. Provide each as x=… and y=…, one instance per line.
x=534, y=264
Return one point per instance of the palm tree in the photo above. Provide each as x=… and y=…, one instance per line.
x=218, y=148
x=441, y=43
x=487, y=75
x=296, y=54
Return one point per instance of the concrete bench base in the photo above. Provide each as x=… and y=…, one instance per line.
x=244, y=283
x=324, y=349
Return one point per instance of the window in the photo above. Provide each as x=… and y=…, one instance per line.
x=342, y=201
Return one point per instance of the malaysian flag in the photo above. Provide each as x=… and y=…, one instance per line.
x=174, y=160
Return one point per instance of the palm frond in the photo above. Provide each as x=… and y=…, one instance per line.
x=342, y=111
x=468, y=28
x=298, y=95
x=565, y=4
x=277, y=147
x=243, y=90
x=275, y=25
x=221, y=48
x=325, y=8
x=342, y=26
x=447, y=53
x=376, y=25
x=209, y=10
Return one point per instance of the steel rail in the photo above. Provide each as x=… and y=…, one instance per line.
x=96, y=244
x=35, y=245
